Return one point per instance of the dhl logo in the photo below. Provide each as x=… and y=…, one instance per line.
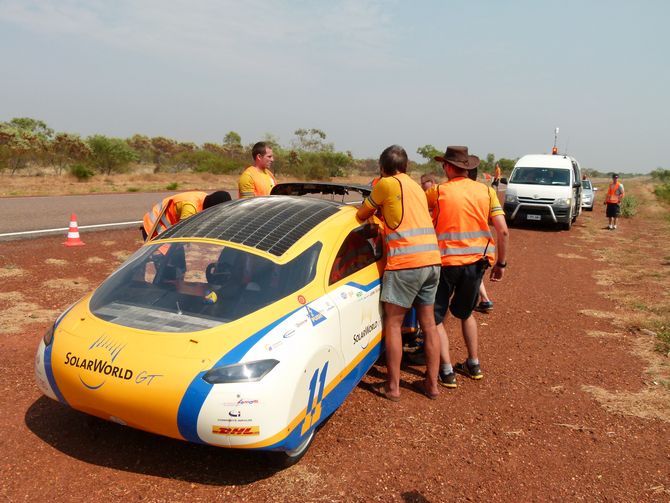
x=228, y=430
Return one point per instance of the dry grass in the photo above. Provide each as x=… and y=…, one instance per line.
x=11, y=271
x=636, y=281
x=17, y=312
x=75, y=284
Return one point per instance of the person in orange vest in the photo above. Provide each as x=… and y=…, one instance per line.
x=496, y=177
x=412, y=266
x=258, y=180
x=462, y=209
x=178, y=207
x=615, y=195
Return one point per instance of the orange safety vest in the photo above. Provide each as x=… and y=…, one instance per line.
x=461, y=218
x=261, y=185
x=413, y=243
x=168, y=208
x=612, y=196
x=498, y=172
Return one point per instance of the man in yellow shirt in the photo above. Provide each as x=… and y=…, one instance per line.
x=412, y=266
x=257, y=180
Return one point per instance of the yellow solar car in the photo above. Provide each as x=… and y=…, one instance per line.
x=244, y=326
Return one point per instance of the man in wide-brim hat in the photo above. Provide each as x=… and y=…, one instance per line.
x=461, y=210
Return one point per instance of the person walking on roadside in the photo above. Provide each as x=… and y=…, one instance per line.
x=615, y=194
x=412, y=266
x=462, y=209
x=178, y=207
x=258, y=180
x=496, y=177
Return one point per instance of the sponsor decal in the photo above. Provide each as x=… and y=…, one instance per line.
x=95, y=370
x=300, y=323
x=234, y=413
x=302, y=300
x=274, y=345
x=314, y=316
x=145, y=378
x=236, y=430
x=241, y=401
x=343, y=295
x=365, y=332
x=288, y=334
x=359, y=294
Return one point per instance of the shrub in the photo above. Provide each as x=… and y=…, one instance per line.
x=82, y=172
x=172, y=186
x=663, y=192
x=629, y=206
x=132, y=189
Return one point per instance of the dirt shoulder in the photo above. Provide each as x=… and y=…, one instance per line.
x=574, y=405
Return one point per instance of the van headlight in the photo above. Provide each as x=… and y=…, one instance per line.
x=510, y=198
x=564, y=201
x=240, y=372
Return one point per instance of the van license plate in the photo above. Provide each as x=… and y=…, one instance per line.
x=534, y=217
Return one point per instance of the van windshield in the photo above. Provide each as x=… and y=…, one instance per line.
x=541, y=176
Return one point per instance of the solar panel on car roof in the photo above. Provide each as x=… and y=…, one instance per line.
x=272, y=224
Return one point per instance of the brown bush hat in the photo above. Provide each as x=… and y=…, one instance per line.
x=458, y=156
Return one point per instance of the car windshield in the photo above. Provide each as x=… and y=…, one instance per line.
x=541, y=176
x=186, y=287
x=586, y=184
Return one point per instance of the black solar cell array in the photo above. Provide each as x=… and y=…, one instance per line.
x=272, y=224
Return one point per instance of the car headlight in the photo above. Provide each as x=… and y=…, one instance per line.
x=48, y=336
x=510, y=198
x=240, y=372
x=563, y=201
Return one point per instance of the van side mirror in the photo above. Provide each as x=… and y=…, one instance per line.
x=576, y=185
x=503, y=180
x=595, y=189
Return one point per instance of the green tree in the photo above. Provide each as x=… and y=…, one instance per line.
x=162, y=149
x=311, y=140
x=67, y=149
x=141, y=144
x=110, y=155
x=428, y=152
x=34, y=126
x=17, y=147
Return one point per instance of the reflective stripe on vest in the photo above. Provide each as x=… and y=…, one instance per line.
x=612, y=196
x=413, y=243
x=170, y=217
x=461, y=222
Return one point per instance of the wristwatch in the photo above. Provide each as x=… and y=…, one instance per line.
x=501, y=265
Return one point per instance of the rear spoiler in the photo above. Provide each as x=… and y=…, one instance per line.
x=303, y=188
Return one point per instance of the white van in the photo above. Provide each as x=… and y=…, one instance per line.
x=544, y=188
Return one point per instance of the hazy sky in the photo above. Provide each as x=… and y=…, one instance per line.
x=496, y=75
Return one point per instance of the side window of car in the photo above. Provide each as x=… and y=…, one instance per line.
x=362, y=247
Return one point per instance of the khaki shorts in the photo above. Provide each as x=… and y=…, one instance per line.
x=406, y=287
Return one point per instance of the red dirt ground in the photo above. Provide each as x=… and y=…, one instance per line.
x=556, y=417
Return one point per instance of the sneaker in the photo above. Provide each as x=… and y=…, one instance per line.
x=447, y=380
x=614, y=227
x=484, y=307
x=471, y=371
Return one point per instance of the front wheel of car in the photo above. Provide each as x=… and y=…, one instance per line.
x=284, y=459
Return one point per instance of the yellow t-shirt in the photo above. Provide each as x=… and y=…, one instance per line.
x=387, y=194
x=185, y=209
x=255, y=182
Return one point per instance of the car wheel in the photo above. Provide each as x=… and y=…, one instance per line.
x=284, y=459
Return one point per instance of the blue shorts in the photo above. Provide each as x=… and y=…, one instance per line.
x=406, y=287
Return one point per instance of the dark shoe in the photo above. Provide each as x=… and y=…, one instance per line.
x=471, y=371
x=447, y=380
x=484, y=307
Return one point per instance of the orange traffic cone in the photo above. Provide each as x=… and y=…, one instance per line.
x=73, y=233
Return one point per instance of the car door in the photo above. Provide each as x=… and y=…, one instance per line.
x=354, y=287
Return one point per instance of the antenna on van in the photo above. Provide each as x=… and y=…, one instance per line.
x=554, y=149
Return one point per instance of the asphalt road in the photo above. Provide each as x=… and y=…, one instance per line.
x=22, y=214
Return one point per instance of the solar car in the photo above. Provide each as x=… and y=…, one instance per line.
x=244, y=326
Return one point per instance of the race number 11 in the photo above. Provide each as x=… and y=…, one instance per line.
x=314, y=401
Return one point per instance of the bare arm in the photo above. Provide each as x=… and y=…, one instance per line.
x=502, y=240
